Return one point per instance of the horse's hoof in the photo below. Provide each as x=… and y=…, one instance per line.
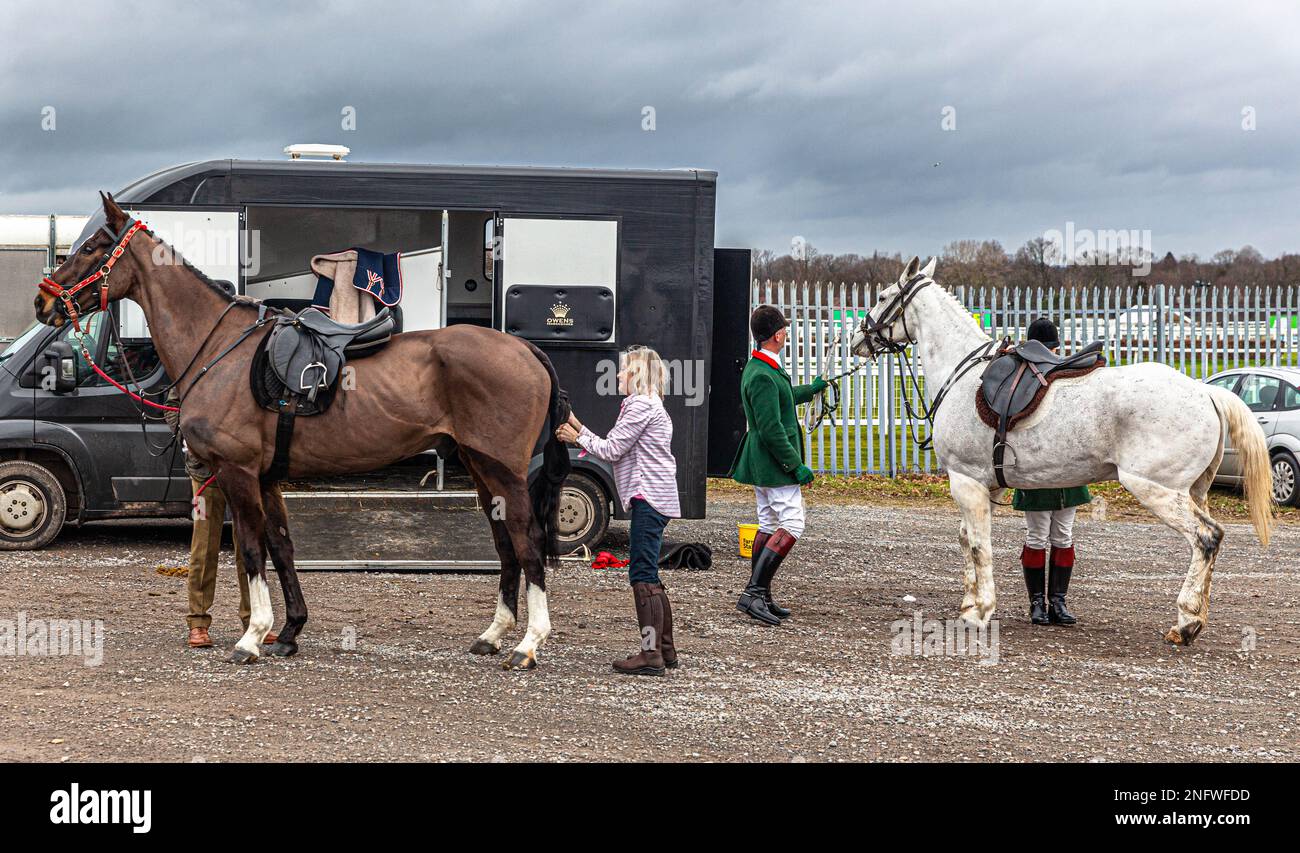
x=282, y=649
x=241, y=656
x=520, y=660
x=483, y=647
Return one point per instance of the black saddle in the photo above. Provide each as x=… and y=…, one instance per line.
x=1016, y=381
x=297, y=367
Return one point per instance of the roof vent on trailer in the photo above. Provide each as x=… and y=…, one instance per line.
x=331, y=152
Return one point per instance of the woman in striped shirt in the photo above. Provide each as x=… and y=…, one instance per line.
x=645, y=471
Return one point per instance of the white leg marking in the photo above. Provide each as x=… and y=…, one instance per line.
x=539, y=622
x=259, y=621
x=502, y=622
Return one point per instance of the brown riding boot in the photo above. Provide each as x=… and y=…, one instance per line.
x=199, y=638
x=650, y=616
x=666, y=647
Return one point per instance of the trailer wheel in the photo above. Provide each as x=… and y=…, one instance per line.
x=32, y=506
x=584, y=513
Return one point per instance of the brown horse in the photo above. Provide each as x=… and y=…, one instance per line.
x=490, y=395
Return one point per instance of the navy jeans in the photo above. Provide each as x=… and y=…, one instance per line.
x=645, y=540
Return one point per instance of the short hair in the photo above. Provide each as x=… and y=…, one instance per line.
x=646, y=371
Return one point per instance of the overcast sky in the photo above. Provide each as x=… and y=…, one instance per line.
x=823, y=120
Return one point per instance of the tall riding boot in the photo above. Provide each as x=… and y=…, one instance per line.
x=754, y=599
x=666, y=647
x=1033, y=561
x=650, y=617
x=1058, y=583
x=760, y=539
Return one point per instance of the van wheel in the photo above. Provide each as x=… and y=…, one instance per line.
x=1286, y=479
x=584, y=513
x=32, y=506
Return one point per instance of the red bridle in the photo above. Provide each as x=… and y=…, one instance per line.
x=67, y=294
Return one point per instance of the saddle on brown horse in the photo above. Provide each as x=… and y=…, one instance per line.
x=298, y=366
x=1016, y=381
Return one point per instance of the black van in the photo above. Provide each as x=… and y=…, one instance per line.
x=488, y=245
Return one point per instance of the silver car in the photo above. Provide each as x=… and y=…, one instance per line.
x=1273, y=394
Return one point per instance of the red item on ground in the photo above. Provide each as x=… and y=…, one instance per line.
x=606, y=560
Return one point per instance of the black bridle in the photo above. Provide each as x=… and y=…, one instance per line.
x=875, y=337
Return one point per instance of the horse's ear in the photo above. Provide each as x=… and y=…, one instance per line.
x=928, y=269
x=115, y=215
x=911, y=268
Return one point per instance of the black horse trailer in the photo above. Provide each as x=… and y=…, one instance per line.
x=583, y=262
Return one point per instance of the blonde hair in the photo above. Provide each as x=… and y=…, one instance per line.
x=646, y=373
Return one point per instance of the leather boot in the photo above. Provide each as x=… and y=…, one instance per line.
x=760, y=539
x=650, y=617
x=666, y=647
x=1058, y=583
x=753, y=600
x=1034, y=561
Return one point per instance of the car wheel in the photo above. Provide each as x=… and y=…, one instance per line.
x=32, y=506
x=584, y=513
x=1286, y=478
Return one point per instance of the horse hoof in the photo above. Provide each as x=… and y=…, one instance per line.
x=282, y=649
x=520, y=660
x=483, y=647
x=240, y=656
x=1185, y=635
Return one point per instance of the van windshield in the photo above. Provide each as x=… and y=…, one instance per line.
x=21, y=341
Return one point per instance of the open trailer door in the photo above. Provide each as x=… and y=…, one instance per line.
x=731, y=282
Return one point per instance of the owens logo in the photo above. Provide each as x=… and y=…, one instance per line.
x=559, y=315
x=75, y=806
x=376, y=281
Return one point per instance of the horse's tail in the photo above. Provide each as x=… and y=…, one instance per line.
x=1252, y=448
x=544, y=491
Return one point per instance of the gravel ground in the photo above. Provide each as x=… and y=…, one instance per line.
x=824, y=687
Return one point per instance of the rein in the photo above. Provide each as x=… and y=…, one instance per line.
x=874, y=332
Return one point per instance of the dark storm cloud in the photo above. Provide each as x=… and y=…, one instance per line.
x=823, y=120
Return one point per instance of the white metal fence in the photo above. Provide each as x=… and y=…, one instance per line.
x=1196, y=330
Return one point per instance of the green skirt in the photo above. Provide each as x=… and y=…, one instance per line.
x=1043, y=500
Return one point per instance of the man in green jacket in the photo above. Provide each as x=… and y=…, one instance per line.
x=1049, y=522
x=770, y=459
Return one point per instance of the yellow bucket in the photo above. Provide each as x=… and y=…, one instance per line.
x=747, y=532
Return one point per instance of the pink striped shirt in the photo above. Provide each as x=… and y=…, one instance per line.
x=640, y=448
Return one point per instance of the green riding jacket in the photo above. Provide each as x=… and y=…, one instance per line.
x=1043, y=500
x=772, y=447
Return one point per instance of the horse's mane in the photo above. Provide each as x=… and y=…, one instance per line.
x=966, y=312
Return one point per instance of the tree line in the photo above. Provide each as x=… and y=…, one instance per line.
x=1038, y=263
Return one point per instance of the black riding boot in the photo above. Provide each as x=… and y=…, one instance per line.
x=760, y=539
x=1058, y=583
x=754, y=599
x=1032, y=561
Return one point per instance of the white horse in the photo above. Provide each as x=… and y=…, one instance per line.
x=1158, y=432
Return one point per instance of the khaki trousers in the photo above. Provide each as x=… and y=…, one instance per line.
x=205, y=551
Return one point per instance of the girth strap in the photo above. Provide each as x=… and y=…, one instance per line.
x=283, y=438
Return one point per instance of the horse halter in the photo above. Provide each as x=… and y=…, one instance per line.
x=66, y=295
x=874, y=331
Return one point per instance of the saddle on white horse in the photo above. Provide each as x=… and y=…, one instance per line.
x=1016, y=381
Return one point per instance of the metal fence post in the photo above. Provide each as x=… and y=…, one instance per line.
x=1160, y=322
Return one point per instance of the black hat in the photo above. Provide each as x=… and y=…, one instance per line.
x=1044, y=331
x=765, y=322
